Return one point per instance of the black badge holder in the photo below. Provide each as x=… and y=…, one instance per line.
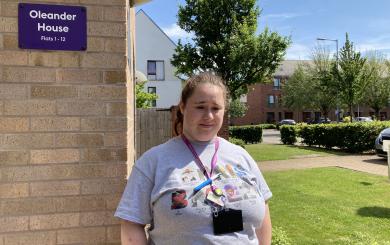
x=227, y=221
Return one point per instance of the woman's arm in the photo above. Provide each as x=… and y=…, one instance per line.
x=264, y=233
x=132, y=233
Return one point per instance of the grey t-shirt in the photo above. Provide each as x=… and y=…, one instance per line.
x=163, y=179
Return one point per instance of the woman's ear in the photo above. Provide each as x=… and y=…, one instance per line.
x=181, y=107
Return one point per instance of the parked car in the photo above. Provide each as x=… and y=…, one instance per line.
x=384, y=135
x=320, y=120
x=287, y=122
x=362, y=119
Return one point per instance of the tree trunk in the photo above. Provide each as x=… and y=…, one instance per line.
x=377, y=114
x=350, y=112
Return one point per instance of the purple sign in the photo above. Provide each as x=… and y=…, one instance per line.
x=53, y=27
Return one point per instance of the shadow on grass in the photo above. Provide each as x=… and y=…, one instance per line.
x=320, y=150
x=381, y=161
x=377, y=212
x=365, y=183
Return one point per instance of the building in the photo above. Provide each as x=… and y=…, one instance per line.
x=154, y=50
x=264, y=102
x=66, y=129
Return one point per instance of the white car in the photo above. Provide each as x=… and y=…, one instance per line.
x=384, y=135
x=362, y=119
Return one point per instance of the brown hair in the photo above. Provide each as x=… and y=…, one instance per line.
x=191, y=84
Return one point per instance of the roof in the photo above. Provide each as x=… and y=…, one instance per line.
x=288, y=67
x=154, y=23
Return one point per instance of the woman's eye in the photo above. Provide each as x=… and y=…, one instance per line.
x=200, y=107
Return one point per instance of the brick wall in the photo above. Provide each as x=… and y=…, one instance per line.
x=63, y=130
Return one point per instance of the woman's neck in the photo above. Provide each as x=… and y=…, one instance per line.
x=199, y=142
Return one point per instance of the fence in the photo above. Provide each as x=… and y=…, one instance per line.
x=153, y=127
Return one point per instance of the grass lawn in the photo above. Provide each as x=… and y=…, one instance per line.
x=265, y=152
x=330, y=206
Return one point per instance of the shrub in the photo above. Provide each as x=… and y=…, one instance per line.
x=351, y=137
x=237, y=142
x=279, y=237
x=249, y=134
x=288, y=134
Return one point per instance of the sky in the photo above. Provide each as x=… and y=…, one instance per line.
x=366, y=22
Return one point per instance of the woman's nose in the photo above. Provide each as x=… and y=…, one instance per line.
x=208, y=113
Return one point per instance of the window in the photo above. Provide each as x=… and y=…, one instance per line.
x=152, y=90
x=288, y=115
x=277, y=83
x=155, y=70
x=306, y=116
x=271, y=99
x=270, y=117
x=383, y=115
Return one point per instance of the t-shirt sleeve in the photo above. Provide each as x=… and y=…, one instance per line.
x=134, y=205
x=261, y=183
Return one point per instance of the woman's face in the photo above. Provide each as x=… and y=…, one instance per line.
x=203, y=113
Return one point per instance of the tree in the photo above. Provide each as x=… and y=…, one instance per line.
x=351, y=77
x=296, y=93
x=324, y=94
x=143, y=99
x=310, y=86
x=377, y=93
x=225, y=42
x=237, y=108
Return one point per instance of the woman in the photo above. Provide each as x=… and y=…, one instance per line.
x=196, y=188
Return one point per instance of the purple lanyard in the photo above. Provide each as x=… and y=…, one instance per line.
x=197, y=159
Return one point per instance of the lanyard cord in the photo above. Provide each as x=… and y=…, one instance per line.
x=197, y=159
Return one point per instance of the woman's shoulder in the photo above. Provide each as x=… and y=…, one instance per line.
x=150, y=159
x=228, y=146
x=168, y=147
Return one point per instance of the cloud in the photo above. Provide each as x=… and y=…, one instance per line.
x=176, y=33
x=298, y=52
x=379, y=43
x=283, y=16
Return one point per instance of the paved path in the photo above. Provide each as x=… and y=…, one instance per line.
x=364, y=163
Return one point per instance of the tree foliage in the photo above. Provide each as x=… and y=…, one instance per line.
x=352, y=79
x=296, y=92
x=310, y=86
x=237, y=108
x=377, y=92
x=225, y=41
x=142, y=98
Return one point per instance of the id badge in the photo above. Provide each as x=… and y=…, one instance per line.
x=227, y=221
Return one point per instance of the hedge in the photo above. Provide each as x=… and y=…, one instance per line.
x=351, y=137
x=236, y=141
x=288, y=134
x=249, y=134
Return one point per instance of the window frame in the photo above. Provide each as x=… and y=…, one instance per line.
x=153, y=75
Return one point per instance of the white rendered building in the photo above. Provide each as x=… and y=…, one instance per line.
x=154, y=50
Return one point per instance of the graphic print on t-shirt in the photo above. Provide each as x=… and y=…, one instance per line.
x=190, y=176
x=179, y=199
x=235, y=184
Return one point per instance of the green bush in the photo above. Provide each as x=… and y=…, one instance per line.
x=237, y=142
x=279, y=237
x=351, y=137
x=249, y=134
x=288, y=134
